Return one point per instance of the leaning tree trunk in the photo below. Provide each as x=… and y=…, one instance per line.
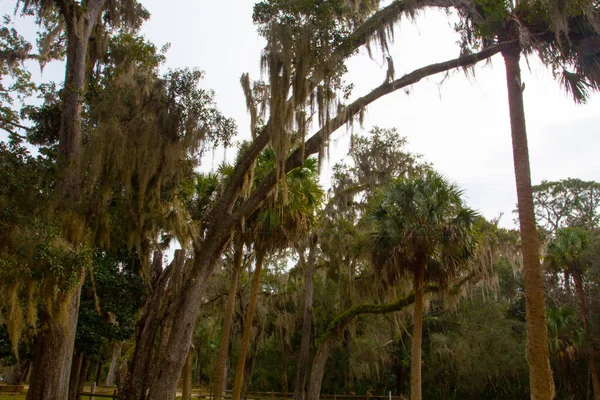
x=306, y=324
x=586, y=326
x=54, y=350
x=247, y=333
x=219, y=379
x=114, y=364
x=318, y=366
x=417, y=338
x=538, y=357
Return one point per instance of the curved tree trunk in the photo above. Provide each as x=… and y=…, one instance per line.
x=219, y=379
x=417, y=338
x=538, y=357
x=54, y=350
x=306, y=324
x=586, y=326
x=246, y=335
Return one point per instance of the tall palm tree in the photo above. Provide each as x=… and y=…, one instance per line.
x=421, y=228
x=565, y=36
x=286, y=216
x=565, y=253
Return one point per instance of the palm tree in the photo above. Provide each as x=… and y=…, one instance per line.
x=565, y=36
x=286, y=216
x=565, y=336
x=565, y=253
x=421, y=228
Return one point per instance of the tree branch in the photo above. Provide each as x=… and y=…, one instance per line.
x=313, y=144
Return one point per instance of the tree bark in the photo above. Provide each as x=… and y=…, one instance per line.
x=50, y=377
x=54, y=350
x=306, y=323
x=18, y=373
x=114, y=364
x=187, y=376
x=247, y=333
x=74, y=379
x=417, y=338
x=538, y=357
x=219, y=378
x=577, y=278
x=85, y=366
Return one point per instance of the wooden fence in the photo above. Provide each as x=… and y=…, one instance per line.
x=207, y=395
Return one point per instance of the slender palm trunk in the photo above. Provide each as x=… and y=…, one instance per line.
x=306, y=326
x=415, y=352
x=219, y=378
x=246, y=335
x=538, y=357
x=586, y=326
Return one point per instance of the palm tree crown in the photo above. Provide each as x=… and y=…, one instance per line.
x=421, y=222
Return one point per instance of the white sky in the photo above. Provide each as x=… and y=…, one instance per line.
x=461, y=126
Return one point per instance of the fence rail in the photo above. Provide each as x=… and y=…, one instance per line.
x=207, y=394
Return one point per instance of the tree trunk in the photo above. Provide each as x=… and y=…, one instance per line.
x=538, y=357
x=17, y=373
x=284, y=363
x=74, y=379
x=85, y=366
x=247, y=333
x=114, y=364
x=54, y=350
x=50, y=377
x=306, y=324
x=219, y=378
x=187, y=376
x=318, y=367
x=417, y=338
x=577, y=278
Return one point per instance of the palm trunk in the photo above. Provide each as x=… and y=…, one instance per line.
x=538, y=357
x=187, y=377
x=306, y=326
x=54, y=350
x=284, y=363
x=586, y=326
x=247, y=333
x=415, y=352
x=219, y=379
x=114, y=364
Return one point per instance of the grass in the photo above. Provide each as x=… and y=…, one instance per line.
x=12, y=396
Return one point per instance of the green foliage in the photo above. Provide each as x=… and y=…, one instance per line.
x=421, y=223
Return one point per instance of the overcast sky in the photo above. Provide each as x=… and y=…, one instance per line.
x=460, y=123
